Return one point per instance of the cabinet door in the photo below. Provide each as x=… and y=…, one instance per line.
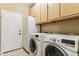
x=69, y=8
x=43, y=10
x=37, y=13
x=53, y=11
x=33, y=11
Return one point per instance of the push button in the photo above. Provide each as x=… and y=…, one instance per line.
x=54, y=39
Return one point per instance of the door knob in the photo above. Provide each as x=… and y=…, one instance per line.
x=19, y=33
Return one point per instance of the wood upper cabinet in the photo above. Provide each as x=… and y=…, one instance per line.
x=37, y=16
x=53, y=11
x=33, y=11
x=43, y=10
x=69, y=9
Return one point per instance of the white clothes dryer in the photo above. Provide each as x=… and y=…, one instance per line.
x=61, y=45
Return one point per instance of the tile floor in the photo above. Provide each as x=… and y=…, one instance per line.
x=19, y=52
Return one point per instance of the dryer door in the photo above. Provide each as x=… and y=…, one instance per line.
x=33, y=47
x=54, y=51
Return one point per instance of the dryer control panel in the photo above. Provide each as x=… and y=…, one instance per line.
x=71, y=42
x=36, y=36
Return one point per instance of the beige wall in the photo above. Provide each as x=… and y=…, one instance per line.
x=14, y=7
x=0, y=33
x=66, y=27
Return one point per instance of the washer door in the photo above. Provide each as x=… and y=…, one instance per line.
x=33, y=47
x=54, y=51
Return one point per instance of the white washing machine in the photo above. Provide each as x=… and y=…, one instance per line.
x=61, y=45
x=36, y=44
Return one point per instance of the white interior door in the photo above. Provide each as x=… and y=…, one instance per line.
x=11, y=29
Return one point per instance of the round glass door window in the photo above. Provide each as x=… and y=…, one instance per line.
x=53, y=51
x=32, y=45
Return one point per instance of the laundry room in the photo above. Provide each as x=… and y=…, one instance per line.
x=39, y=29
